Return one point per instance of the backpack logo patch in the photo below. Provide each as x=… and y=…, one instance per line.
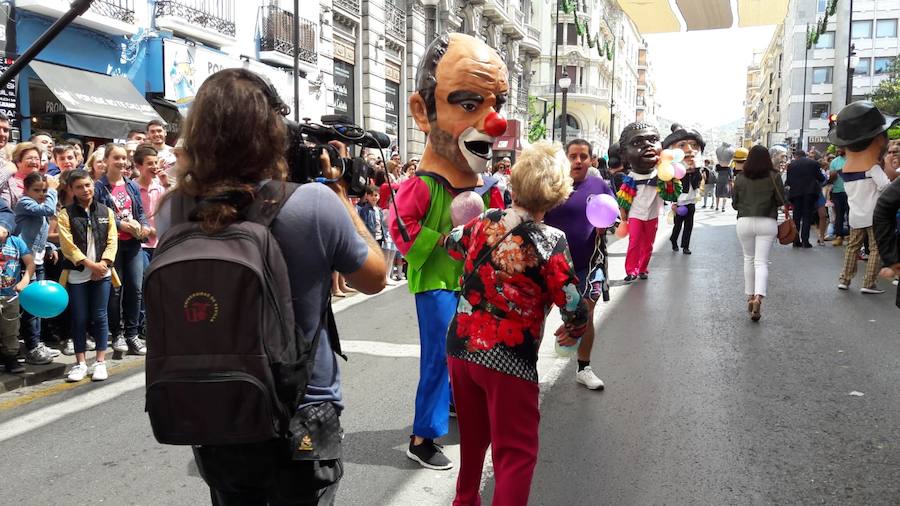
x=201, y=307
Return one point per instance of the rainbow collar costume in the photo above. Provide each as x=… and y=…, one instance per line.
x=667, y=190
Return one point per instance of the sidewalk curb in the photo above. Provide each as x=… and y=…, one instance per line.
x=35, y=375
x=38, y=374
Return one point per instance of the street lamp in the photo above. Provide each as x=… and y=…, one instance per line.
x=564, y=83
x=851, y=69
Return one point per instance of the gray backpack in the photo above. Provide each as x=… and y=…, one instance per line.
x=226, y=363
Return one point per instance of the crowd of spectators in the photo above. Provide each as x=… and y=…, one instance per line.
x=81, y=215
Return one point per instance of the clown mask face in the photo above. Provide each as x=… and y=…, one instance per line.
x=471, y=90
x=642, y=150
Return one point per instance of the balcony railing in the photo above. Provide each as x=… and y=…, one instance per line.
x=122, y=10
x=522, y=100
x=351, y=6
x=277, y=35
x=394, y=20
x=216, y=15
x=533, y=32
x=594, y=91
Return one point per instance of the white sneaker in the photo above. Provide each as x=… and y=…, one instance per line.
x=99, y=372
x=119, y=344
x=77, y=372
x=587, y=378
x=874, y=291
x=843, y=286
x=895, y=282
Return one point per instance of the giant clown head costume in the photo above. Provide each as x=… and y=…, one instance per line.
x=461, y=88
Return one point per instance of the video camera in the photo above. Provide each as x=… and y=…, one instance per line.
x=307, y=142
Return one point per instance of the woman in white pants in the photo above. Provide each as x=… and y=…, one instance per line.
x=758, y=193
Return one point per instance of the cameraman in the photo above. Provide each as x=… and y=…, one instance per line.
x=318, y=232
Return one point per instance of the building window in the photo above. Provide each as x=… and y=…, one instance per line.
x=821, y=5
x=861, y=29
x=821, y=75
x=864, y=67
x=826, y=41
x=571, y=35
x=882, y=65
x=820, y=110
x=886, y=28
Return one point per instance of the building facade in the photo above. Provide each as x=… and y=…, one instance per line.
x=588, y=100
x=867, y=42
x=357, y=59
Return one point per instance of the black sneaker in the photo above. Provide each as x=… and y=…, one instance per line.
x=644, y=275
x=452, y=410
x=629, y=278
x=686, y=251
x=11, y=362
x=674, y=244
x=428, y=455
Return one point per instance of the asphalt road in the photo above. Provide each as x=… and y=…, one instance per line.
x=701, y=406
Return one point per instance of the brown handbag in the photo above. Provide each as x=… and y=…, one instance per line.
x=787, y=230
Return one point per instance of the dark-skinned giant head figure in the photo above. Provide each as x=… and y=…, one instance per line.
x=461, y=87
x=639, y=147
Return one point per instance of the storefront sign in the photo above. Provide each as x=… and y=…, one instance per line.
x=8, y=96
x=186, y=67
x=392, y=72
x=344, y=96
x=391, y=108
x=344, y=51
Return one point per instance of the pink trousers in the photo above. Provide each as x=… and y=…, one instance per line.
x=501, y=411
x=641, y=234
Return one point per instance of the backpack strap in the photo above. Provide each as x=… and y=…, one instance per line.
x=270, y=198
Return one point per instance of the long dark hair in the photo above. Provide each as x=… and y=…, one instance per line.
x=234, y=137
x=759, y=163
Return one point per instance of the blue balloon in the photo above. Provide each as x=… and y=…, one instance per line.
x=682, y=210
x=44, y=299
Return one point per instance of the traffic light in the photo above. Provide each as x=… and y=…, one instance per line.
x=832, y=121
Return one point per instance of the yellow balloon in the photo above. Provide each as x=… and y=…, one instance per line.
x=665, y=172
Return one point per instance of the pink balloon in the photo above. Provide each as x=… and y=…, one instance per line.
x=680, y=170
x=602, y=210
x=465, y=207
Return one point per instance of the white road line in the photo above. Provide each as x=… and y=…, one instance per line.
x=50, y=414
x=380, y=349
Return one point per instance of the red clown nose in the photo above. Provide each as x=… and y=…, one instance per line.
x=494, y=124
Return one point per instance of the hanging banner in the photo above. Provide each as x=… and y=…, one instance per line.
x=186, y=67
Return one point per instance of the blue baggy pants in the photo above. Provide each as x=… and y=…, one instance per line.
x=435, y=310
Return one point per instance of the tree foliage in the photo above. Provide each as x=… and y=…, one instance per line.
x=887, y=95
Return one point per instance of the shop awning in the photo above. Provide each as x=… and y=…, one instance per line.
x=96, y=105
x=656, y=16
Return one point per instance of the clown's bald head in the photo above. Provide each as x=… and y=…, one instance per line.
x=461, y=88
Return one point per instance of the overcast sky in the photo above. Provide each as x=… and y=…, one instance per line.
x=701, y=76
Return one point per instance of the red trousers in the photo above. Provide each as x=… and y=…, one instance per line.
x=642, y=235
x=501, y=411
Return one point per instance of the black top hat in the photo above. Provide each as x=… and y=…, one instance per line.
x=679, y=133
x=858, y=122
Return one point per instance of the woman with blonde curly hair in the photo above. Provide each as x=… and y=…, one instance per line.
x=516, y=268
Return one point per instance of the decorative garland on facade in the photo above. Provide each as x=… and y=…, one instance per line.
x=813, y=33
x=604, y=48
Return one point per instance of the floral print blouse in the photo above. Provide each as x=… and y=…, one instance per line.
x=502, y=306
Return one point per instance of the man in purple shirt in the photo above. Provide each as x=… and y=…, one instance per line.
x=570, y=217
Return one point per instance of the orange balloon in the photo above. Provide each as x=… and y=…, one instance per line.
x=622, y=230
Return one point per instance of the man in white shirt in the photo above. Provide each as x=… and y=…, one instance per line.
x=862, y=130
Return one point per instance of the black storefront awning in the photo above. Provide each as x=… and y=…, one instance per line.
x=95, y=105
